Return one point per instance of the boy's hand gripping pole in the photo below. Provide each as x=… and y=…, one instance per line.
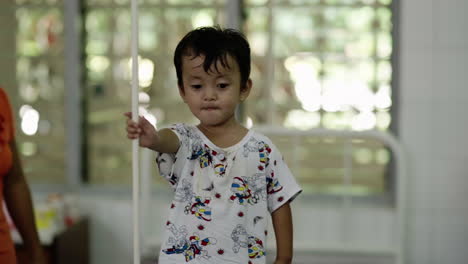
x=135, y=145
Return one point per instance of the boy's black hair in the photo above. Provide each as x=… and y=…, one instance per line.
x=215, y=44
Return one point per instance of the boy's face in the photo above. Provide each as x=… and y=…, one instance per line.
x=212, y=96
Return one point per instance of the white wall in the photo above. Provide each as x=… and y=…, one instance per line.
x=434, y=125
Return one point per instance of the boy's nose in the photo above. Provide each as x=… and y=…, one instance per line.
x=210, y=94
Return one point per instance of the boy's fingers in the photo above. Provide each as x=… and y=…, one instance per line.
x=133, y=129
x=132, y=134
x=131, y=123
x=128, y=114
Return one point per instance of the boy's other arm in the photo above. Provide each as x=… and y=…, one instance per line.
x=167, y=142
x=282, y=224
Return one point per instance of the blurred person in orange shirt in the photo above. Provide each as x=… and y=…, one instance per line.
x=15, y=192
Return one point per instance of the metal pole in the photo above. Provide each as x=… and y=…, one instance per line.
x=135, y=160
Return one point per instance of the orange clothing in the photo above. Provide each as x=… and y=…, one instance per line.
x=6, y=133
x=7, y=252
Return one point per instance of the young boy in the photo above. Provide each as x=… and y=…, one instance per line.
x=227, y=179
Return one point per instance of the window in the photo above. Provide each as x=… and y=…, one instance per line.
x=39, y=95
x=324, y=64
x=316, y=63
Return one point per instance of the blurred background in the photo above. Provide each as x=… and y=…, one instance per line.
x=365, y=98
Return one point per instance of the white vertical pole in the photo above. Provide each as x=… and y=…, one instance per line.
x=135, y=160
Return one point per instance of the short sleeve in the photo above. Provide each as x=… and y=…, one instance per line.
x=170, y=164
x=282, y=187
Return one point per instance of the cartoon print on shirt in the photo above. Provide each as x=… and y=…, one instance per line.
x=261, y=147
x=221, y=156
x=184, y=192
x=220, y=169
x=257, y=219
x=207, y=157
x=247, y=189
x=199, y=208
x=264, y=151
x=165, y=163
x=256, y=185
x=250, y=146
x=190, y=246
x=241, y=190
x=273, y=185
x=199, y=150
x=202, y=153
x=209, y=188
x=243, y=240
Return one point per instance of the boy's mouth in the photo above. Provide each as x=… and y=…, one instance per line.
x=210, y=108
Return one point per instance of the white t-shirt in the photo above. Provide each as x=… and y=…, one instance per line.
x=223, y=198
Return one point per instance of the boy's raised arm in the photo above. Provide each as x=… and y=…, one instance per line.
x=282, y=224
x=165, y=140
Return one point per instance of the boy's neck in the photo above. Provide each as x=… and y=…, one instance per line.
x=226, y=135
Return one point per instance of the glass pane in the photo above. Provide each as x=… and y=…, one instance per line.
x=296, y=31
x=98, y=30
x=385, y=2
x=384, y=45
x=318, y=164
x=122, y=2
x=150, y=30
x=256, y=30
x=181, y=20
x=384, y=16
x=191, y=2
x=256, y=2
x=309, y=2
x=92, y=2
x=349, y=2
x=40, y=93
x=121, y=37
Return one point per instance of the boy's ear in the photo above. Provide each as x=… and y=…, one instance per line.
x=245, y=91
x=181, y=91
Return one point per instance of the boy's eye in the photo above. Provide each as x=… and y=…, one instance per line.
x=223, y=85
x=196, y=86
